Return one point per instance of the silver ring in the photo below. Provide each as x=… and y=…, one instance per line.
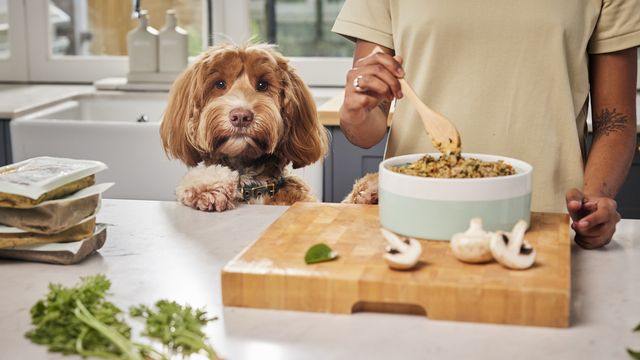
x=356, y=83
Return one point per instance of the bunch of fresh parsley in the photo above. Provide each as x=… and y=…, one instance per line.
x=58, y=327
x=79, y=320
x=175, y=326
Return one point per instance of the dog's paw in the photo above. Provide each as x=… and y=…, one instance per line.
x=366, y=197
x=209, y=197
x=212, y=188
x=365, y=191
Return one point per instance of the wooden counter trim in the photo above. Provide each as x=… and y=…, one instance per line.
x=328, y=113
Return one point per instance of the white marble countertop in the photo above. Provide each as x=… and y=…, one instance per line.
x=19, y=99
x=164, y=250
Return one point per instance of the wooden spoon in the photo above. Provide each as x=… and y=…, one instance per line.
x=444, y=135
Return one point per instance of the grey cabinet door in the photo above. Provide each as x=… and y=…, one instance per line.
x=346, y=163
x=5, y=142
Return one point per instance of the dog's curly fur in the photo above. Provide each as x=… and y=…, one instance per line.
x=197, y=127
x=365, y=191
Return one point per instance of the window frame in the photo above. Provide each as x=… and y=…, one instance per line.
x=67, y=69
x=44, y=67
x=14, y=68
x=41, y=66
x=315, y=71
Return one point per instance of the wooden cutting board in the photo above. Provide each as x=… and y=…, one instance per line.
x=271, y=272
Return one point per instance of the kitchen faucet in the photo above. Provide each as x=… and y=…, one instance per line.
x=136, y=9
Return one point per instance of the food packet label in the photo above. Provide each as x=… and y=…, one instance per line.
x=36, y=176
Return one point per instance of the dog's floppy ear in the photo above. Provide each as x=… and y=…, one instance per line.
x=181, y=116
x=305, y=140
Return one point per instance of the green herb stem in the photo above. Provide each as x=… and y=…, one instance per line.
x=124, y=344
x=195, y=342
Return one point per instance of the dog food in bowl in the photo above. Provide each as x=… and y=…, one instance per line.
x=454, y=167
x=436, y=208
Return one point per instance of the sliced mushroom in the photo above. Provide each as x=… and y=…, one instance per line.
x=401, y=253
x=473, y=245
x=511, y=249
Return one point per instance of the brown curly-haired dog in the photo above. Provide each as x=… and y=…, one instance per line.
x=243, y=114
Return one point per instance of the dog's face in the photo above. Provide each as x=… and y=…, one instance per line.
x=242, y=102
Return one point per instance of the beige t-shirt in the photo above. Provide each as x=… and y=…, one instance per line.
x=512, y=75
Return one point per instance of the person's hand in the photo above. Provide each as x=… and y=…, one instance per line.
x=594, y=218
x=373, y=79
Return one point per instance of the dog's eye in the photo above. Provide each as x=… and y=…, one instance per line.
x=262, y=85
x=221, y=84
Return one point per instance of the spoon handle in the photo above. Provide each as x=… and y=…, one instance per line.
x=443, y=133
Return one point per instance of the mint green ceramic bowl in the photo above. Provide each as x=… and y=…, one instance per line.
x=432, y=208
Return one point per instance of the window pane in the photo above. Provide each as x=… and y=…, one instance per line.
x=100, y=27
x=301, y=27
x=4, y=30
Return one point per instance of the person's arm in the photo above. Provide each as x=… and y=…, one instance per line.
x=613, y=107
x=364, y=111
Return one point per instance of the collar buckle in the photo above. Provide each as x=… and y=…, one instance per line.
x=254, y=192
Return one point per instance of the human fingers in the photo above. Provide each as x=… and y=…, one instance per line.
x=386, y=65
x=377, y=79
x=601, y=238
x=358, y=97
x=390, y=63
x=392, y=85
x=602, y=212
x=574, y=199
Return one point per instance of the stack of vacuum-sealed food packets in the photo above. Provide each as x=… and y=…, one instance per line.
x=48, y=209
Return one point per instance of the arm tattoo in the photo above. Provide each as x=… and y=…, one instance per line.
x=608, y=122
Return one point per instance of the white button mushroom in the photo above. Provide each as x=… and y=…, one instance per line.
x=401, y=253
x=473, y=245
x=511, y=250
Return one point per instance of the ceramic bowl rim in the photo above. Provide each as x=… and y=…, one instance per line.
x=523, y=169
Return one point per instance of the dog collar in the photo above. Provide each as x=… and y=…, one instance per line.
x=254, y=191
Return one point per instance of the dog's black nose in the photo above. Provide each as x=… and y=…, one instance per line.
x=240, y=117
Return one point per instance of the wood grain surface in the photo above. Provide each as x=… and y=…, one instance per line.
x=271, y=272
x=329, y=112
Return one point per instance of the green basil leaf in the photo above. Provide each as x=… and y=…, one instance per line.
x=319, y=253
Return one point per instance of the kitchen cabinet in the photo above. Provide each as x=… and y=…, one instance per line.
x=345, y=163
x=19, y=99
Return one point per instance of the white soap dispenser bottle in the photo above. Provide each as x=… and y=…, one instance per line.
x=174, y=49
x=142, y=45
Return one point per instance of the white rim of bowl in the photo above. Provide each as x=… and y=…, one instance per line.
x=464, y=190
x=400, y=160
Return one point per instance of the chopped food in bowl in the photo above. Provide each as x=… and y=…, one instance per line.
x=437, y=207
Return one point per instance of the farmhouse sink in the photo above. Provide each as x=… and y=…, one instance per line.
x=120, y=129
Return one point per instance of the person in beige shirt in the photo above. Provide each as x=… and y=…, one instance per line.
x=516, y=79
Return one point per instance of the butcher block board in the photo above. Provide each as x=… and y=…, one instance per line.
x=271, y=272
